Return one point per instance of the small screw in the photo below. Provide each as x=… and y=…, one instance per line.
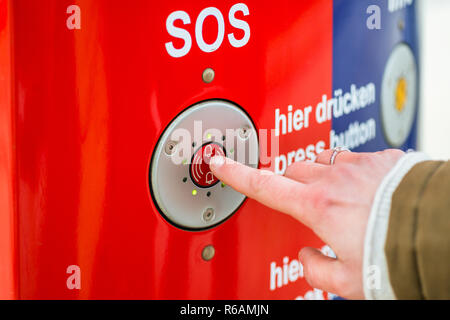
x=401, y=24
x=208, y=75
x=208, y=253
x=244, y=132
x=170, y=147
x=208, y=194
x=185, y=179
x=208, y=215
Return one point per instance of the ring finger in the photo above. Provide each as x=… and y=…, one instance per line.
x=341, y=156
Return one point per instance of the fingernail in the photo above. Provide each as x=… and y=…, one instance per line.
x=217, y=161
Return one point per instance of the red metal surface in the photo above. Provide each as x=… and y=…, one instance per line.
x=8, y=249
x=90, y=105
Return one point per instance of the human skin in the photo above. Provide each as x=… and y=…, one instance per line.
x=333, y=200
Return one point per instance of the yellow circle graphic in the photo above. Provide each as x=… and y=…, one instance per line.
x=401, y=94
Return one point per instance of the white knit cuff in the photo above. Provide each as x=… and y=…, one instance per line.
x=375, y=271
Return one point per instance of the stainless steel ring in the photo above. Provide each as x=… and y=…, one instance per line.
x=336, y=152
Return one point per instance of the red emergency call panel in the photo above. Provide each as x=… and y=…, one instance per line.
x=111, y=111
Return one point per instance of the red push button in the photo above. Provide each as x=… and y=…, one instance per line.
x=200, y=173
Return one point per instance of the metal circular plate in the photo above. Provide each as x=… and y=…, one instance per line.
x=398, y=95
x=180, y=200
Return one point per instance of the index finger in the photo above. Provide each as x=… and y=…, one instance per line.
x=274, y=191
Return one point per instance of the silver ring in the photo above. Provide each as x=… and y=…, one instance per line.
x=336, y=151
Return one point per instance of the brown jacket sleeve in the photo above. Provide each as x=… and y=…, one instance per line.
x=418, y=239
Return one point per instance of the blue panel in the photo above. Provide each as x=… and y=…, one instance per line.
x=360, y=56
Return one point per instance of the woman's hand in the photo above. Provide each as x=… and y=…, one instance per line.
x=333, y=200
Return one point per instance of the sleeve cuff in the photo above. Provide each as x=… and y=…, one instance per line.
x=375, y=271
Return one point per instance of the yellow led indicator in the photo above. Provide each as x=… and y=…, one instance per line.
x=401, y=94
x=209, y=136
x=184, y=162
x=194, y=192
x=223, y=185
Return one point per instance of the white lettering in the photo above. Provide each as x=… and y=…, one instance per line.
x=239, y=24
x=178, y=33
x=214, y=12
